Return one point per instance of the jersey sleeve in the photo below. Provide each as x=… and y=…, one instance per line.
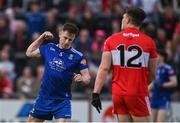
x=43, y=49
x=153, y=50
x=83, y=63
x=107, y=45
x=171, y=72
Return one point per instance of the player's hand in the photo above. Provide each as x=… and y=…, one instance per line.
x=77, y=77
x=96, y=102
x=47, y=35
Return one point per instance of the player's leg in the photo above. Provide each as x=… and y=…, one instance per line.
x=163, y=107
x=154, y=115
x=161, y=115
x=139, y=108
x=124, y=118
x=154, y=106
x=62, y=120
x=141, y=119
x=33, y=119
x=62, y=112
x=41, y=110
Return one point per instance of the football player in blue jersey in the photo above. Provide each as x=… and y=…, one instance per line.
x=62, y=62
x=162, y=88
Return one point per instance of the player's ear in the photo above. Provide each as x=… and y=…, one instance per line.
x=60, y=33
x=128, y=19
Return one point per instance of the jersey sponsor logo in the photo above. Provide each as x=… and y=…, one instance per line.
x=52, y=49
x=57, y=64
x=130, y=34
x=70, y=56
x=133, y=57
x=60, y=54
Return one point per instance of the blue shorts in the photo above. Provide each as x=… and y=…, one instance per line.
x=160, y=104
x=47, y=108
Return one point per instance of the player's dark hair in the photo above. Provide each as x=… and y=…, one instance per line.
x=70, y=27
x=163, y=53
x=136, y=15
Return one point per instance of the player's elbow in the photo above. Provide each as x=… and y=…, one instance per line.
x=104, y=69
x=28, y=54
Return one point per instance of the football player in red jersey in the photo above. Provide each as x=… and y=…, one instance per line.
x=133, y=57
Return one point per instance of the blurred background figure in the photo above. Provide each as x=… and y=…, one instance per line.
x=6, y=65
x=22, y=21
x=6, y=89
x=25, y=84
x=35, y=19
x=38, y=78
x=162, y=88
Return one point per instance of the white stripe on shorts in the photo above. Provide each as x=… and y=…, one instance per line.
x=148, y=104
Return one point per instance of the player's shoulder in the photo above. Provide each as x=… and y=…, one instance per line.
x=51, y=44
x=76, y=52
x=145, y=36
x=168, y=67
x=113, y=36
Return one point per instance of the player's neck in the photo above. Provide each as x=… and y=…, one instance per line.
x=63, y=47
x=161, y=64
x=132, y=26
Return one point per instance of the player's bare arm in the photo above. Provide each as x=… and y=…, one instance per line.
x=152, y=69
x=33, y=49
x=150, y=86
x=102, y=72
x=101, y=77
x=172, y=83
x=84, y=76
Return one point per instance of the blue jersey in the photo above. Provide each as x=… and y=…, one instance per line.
x=163, y=74
x=60, y=64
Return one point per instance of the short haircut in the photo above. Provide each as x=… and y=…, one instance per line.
x=162, y=52
x=70, y=27
x=136, y=15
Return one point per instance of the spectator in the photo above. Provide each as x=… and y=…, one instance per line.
x=25, y=84
x=168, y=21
x=6, y=89
x=83, y=42
x=7, y=65
x=21, y=38
x=35, y=19
x=37, y=83
x=51, y=21
x=4, y=31
x=97, y=46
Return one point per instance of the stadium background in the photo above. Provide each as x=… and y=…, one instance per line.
x=22, y=21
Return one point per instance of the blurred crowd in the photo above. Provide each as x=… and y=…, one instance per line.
x=22, y=21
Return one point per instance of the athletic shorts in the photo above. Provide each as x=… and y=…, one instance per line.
x=47, y=108
x=131, y=105
x=160, y=104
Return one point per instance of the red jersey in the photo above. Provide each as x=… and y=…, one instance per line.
x=131, y=51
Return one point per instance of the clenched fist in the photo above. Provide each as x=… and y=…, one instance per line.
x=77, y=77
x=47, y=35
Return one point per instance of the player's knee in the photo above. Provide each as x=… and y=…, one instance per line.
x=33, y=119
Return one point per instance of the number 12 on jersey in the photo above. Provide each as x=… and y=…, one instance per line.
x=130, y=57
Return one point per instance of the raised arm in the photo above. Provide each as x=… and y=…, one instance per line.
x=33, y=49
